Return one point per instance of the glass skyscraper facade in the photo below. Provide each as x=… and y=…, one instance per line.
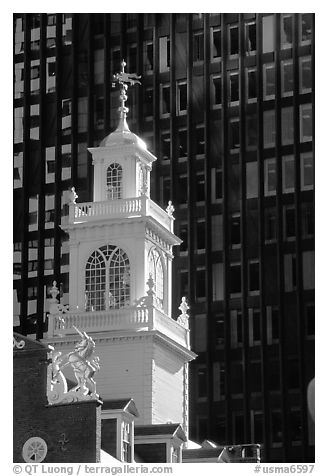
x=227, y=106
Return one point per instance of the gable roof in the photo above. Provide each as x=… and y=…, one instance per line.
x=123, y=404
x=166, y=429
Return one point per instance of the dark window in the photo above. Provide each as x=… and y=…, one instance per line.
x=236, y=377
x=251, y=132
x=307, y=220
x=132, y=58
x=310, y=319
x=200, y=190
x=286, y=30
x=166, y=190
x=234, y=40
x=116, y=61
x=256, y=325
x=289, y=223
x=131, y=20
x=184, y=283
x=235, y=230
x=33, y=218
x=250, y=37
x=216, y=45
x=182, y=143
x=270, y=225
x=255, y=377
x=238, y=429
x=257, y=428
x=200, y=283
x=148, y=102
x=253, y=276
x=221, y=430
x=202, y=430
x=183, y=189
x=275, y=323
x=51, y=20
x=218, y=184
x=182, y=98
x=235, y=279
x=276, y=426
x=18, y=268
x=306, y=27
x=183, y=235
x=200, y=235
x=295, y=425
x=219, y=329
x=239, y=328
x=198, y=47
x=149, y=56
x=99, y=114
x=217, y=98
x=270, y=177
x=290, y=272
x=166, y=106
x=251, y=85
x=293, y=374
x=18, y=246
x=274, y=375
x=200, y=142
x=201, y=382
x=165, y=146
x=234, y=87
x=35, y=71
x=234, y=134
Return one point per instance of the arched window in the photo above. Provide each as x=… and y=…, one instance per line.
x=114, y=182
x=156, y=269
x=107, y=279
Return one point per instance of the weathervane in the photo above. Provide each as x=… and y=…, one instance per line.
x=124, y=80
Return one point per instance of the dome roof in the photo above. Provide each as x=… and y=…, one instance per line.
x=122, y=136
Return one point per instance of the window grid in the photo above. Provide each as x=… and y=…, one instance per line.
x=114, y=182
x=107, y=279
x=156, y=268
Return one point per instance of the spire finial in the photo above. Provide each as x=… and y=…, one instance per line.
x=124, y=80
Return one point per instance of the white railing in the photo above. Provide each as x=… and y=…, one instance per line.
x=133, y=318
x=171, y=328
x=126, y=207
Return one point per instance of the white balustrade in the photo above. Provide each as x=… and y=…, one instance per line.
x=138, y=206
x=133, y=318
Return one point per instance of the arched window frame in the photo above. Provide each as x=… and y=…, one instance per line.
x=156, y=267
x=107, y=286
x=114, y=181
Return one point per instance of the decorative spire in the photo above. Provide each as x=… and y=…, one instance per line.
x=124, y=80
x=170, y=209
x=183, y=319
x=54, y=292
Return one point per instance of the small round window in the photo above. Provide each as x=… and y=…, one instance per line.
x=34, y=450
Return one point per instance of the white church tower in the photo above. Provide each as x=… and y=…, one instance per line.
x=121, y=251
